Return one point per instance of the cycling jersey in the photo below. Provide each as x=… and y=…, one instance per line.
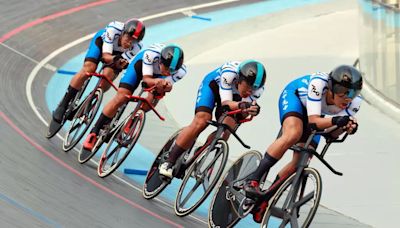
x=107, y=41
x=306, y=96
x=219, y=86
x=147, y=62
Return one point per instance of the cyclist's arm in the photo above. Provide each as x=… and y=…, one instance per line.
x=225, y=89
x=316, y=87
x=108, y=41
x=321, y=122
x=150, y=81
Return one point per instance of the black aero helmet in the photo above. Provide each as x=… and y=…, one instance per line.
x=253, y=72
x=346, y=79
x=135, y=28
x=172, y=57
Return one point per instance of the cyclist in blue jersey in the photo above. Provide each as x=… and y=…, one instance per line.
x=160, y=65
x=234, y=85
x=114, y=46
x=320, y=99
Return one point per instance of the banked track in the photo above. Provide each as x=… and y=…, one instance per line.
x=41, y=185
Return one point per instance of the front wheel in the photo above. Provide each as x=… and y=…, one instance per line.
x=82, y=119
x=121, y=144
x=201, y=178
x=225, y=205
x=302, y=206
x=154, y=183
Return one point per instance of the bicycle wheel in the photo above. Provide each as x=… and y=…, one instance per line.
x=121, y=144
x=224, y=207
x=154, y=183
x=305, y=202
x=205, y=172
x=82, y=119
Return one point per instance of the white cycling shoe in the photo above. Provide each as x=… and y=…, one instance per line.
x=165, y=169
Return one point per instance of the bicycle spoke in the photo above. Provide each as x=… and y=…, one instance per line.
x=277, y=212
x=212, y=162
x=191, y=192
x=116, y=149
x=115, y=159
x=293, y=219
x=304, y=200
x=205, y=184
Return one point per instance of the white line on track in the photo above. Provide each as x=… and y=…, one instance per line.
x=44, y=64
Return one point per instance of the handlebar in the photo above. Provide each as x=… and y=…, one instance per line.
x=320, y=156
x=102, y=76
x=146, y=88
x=231, y=113
x=137, y=99
x=220, y=123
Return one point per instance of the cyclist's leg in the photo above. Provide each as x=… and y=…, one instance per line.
x=128, y=85
x=205, y=103
x=291, y=115
x=90, y=64
x=110, y=74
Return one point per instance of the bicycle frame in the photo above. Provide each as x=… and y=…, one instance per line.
x=305, y=158
x=139, y=99
x=221, y=127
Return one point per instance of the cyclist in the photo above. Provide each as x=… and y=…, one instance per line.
x=114, y=46
x=158, y=65
x=232, y=86
x=319, y=99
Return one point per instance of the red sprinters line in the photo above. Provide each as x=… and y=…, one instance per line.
x=51, y=17
x=91, y=181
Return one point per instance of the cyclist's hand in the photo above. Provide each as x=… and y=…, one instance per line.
x=159, y=86
x=254, y=109
x=352, y=126
x=243, y=105
x=123, y=63
x=168, y=86
x=340, y=121
x=120, y=63
x=347, y=123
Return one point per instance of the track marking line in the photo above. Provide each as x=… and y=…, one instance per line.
x=84, y=177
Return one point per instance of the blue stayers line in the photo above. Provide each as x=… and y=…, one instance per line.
x=29, y=211
x=66, y=72
x=201, y=18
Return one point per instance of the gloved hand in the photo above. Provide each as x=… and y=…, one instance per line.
x=243, y=105
x=120, y=63
x=340, y=121
x=254, y=109
x=348, y=123
x=353, y=130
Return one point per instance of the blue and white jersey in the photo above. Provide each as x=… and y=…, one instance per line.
x=226, y=77
x=110, y=41
x=312, y=90
x=151, y=63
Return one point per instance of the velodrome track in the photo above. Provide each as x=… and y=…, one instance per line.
x=43, y=186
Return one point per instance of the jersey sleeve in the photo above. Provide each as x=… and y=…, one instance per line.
x=149, y=58
x=108, y=39
x=225, y=85
x=178, y=75
x=315, y=90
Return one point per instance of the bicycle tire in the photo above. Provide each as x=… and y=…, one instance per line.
x=193, y=172
x=138, y=123
x=273, y=209
x=86, y=109
x=222, y=212
x=57, y=126
x=153, y=178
